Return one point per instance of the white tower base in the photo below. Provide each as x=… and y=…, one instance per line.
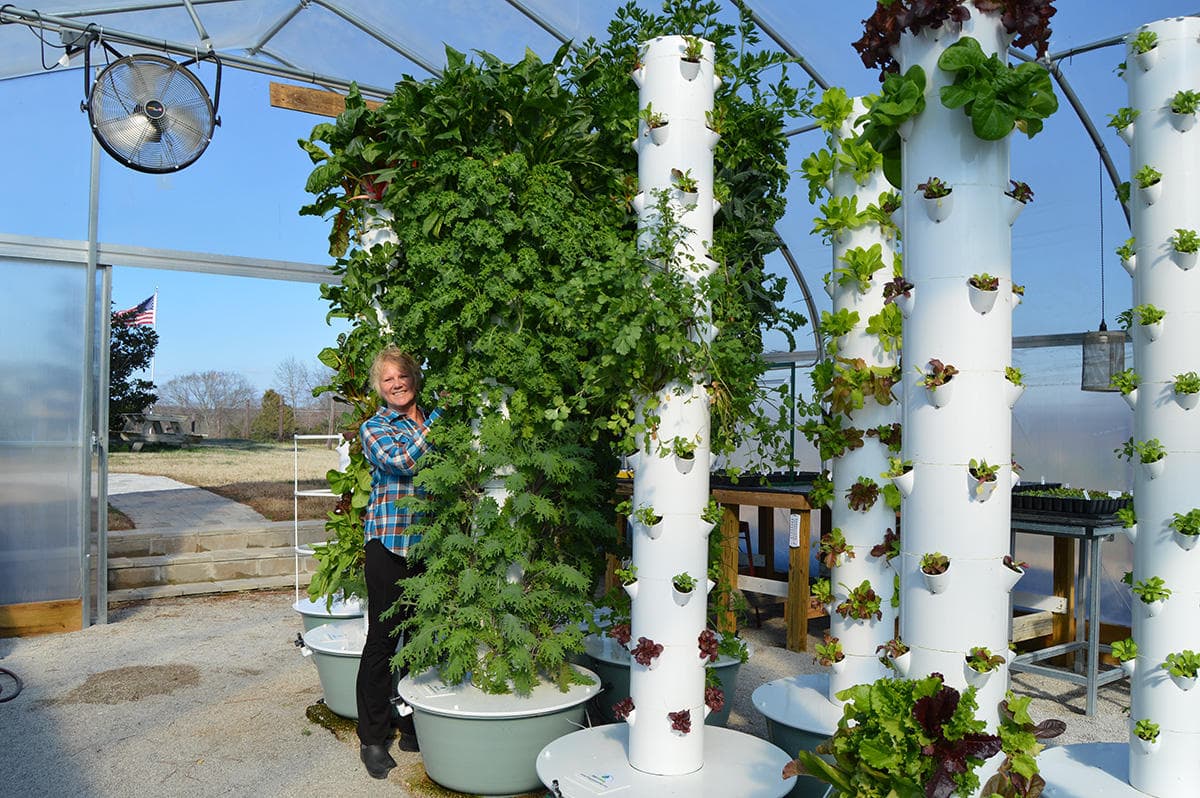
x=1088, y=770
x=595, y=762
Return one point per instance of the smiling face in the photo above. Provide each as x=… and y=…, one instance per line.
x=397, y=389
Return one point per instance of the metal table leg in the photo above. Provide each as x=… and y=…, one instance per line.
x=1093, y=650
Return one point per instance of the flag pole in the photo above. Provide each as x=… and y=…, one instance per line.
x=155, y=328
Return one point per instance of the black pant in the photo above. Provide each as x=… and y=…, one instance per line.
x=374, y=687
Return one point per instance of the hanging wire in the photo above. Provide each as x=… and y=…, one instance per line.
x=1100, y=203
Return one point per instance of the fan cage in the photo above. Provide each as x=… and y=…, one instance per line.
x=151, y=113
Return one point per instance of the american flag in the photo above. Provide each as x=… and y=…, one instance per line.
x=142, y=313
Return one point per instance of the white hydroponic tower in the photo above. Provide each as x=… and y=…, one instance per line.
x=945, y=243
x=1170, y=769
x=862, y=529
x=664, y=744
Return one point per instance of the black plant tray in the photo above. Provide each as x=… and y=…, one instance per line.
x=1067, y=505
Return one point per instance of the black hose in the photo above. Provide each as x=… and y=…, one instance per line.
x=16, y=679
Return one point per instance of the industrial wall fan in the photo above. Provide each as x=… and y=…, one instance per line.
x=149, y=112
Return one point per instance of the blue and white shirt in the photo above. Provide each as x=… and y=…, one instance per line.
x=392, y=444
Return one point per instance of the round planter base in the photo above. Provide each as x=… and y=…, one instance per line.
x=1086, y=771
x=336, y=651
x=498, y=735
x=596, y=762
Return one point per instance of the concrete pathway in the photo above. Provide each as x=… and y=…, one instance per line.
x=160, y=503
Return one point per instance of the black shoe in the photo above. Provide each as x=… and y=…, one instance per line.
x=408, y=742
x=377, y=759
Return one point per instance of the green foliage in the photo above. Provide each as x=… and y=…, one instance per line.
x=861, y=265
x=1152, y=589
x=1125, y=650
x=901, y=97
x=898, y=467
x=651, y=117
x=340, y=559
x=1144, y=41
x=838, y=214
x=626, y=575
x=1128, y=249
x=836, y=324
x=880, y=212
x=1182, y=663
x=1123, y=192
x=1185, y=240
x=981, y=659
x=1125, y=381
x=934, y=563
x=829, y=651
x=995, y=95
x=130, y=349
x=1147, y=176
x=845, y=383
x=818, y=169
x=684, y=582
x=934, y=188
x=1013, y=375
x=982, y=471
x=899, y=737
x=860, y=159
x=518, y=280
x=1020, y=740
x=861, y=603
x=833, y=109
x=1123, y=118
x=1187, y=523
x=822, y=591
x=1146, y=729
x=984, y=281
x=833, y=546
x=1188, y=382
x=939, y=373
x=274, y=421
x=887, y=325
x=830, y=437
x=1127, y=517
x=1020, y=191
x=1145, y=451
x=822, y=491
x=1185, y=101
x=892, y=497
x=863, y=494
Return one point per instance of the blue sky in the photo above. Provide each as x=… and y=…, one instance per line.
x=241, y=197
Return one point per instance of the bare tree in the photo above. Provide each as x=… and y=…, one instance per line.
x=294, y=382
x=210, y=395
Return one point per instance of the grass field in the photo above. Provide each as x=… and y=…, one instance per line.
x=253, y=473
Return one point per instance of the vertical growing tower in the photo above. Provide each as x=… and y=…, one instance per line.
x=945, y=243
x=666, y=726
x=859, y=509
x=1171, y=768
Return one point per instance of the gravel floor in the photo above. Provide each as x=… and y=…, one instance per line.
x=207, y=696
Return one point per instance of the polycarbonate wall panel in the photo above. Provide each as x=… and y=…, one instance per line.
x=41, y=358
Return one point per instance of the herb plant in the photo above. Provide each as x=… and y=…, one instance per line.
x=1013, y=375
x=832, y=546
x=982, y=660
x=862, y=495
x=862, y=603
x=981, y=472
x=1146, y=729
x=1128, y=249
x=1125, y=381
x=1123, y=118
x=939, y=374
x=934, y=188
x=829, y=651
x=995, y=95
x=684, y=181
x=861, y=265
x=1185, y=240
x=1151, y=590
x=1182, y=663
x=1020, y=191
x=934, y=563
x=684, y=582
x=1187, y=523
x=651, y=117
x=693, y=47
x=984, y=282
x=1146, y=451
x=1124, y=650
x=1147, y=176
x=1187, y=382
x=897, y=467
x=1144, y=41
x=1185, y=101
x=626, y=575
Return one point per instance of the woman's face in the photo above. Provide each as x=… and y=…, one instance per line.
x=396, y=389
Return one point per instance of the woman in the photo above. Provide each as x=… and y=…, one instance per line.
x=393, y=440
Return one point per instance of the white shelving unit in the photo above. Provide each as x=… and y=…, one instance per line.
x=303, y=551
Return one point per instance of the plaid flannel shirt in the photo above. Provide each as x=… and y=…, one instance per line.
x=392, y=444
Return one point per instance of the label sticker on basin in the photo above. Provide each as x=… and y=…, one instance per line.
x=594, y=784
x=436, y=689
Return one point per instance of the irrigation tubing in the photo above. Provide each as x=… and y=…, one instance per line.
x=4, y=695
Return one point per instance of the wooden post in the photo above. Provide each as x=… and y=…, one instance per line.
x=766, y=540
x=1064, y=586
x=726, y=619
x=795, y=610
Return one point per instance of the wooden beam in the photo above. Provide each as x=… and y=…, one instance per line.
x=310, y=101
x=728, y=530
x=796, y=611
x=41, y=618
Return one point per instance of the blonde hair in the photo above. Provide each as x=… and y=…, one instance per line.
x=401, y=360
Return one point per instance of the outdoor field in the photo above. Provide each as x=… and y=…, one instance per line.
x=260, y=475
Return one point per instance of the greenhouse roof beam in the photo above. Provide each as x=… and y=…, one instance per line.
x=387, y=41
x=541, y=23
x=270, y=32
x=783, y=44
